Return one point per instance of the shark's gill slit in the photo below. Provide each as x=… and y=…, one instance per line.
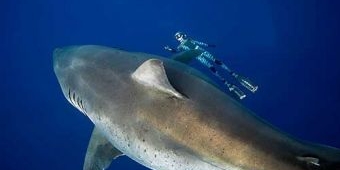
x=81, y=104
x=74, y=97
x=69, y=95
x=78, y=101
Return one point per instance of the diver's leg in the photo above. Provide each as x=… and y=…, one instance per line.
x=222, y=65
x=239, y=93
x=230, y=86
x=206, y=63
x=246, y=82
x=243, y=80
x=216, y=61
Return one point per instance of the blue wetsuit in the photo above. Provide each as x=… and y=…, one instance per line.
x=208, y=60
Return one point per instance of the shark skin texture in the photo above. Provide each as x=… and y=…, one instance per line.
x=168, y=116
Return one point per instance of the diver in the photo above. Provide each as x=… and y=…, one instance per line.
x=207, y=59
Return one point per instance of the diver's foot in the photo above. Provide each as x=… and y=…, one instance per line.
x=245, y=82
x=238, y=92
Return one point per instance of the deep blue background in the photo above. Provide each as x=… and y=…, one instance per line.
x=289, y=47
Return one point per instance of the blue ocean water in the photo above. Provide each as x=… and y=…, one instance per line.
x=290, y=48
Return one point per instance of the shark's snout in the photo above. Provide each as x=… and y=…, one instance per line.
x=58, y=56
x=60, y=52
x=57, y=52
x=63, y=56
x=64, y=51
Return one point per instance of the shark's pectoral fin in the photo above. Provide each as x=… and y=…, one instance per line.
x=100, y=152
x=310, y=161
x=152, y=74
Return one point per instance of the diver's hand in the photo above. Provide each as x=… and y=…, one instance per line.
x=167, y=48
x=170, y=49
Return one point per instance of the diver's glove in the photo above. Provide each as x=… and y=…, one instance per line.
x=238, y=92
x=170, y=49
x=245, y=82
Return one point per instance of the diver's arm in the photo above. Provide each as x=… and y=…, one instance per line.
x=183, y=47
x=203, y=44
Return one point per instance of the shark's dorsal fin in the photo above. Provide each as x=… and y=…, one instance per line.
x=152, y=74
x=100, y=152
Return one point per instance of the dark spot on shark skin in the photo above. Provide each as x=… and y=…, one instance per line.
x=155, y=155
x=144, y=150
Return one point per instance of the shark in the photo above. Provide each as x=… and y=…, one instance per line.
x=166, y=115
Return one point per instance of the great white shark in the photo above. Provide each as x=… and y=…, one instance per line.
x=167, y=116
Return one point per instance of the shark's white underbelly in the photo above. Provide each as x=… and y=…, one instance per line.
x=156, y=155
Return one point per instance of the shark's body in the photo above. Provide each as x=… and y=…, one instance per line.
x=167, y=116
